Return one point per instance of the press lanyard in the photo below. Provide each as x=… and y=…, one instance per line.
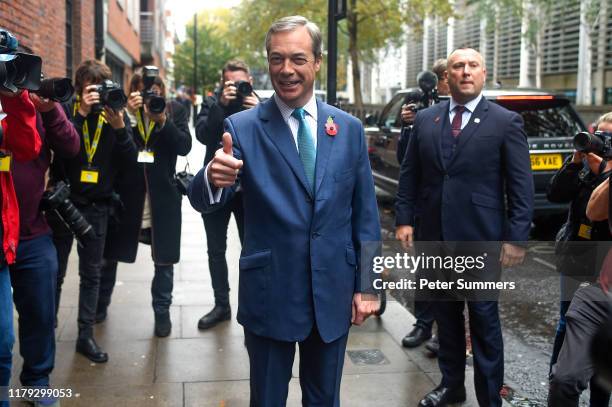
x=90, y=148
x=145, y=136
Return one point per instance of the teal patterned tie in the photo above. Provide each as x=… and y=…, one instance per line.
x=306, y=147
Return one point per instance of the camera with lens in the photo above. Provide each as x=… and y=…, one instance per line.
x=111, y=95
x=58, y=199
x=57, y=89
x=243, y=89
x=18, y=70
x=427, y=92
x=155, y=103
x=598, y=143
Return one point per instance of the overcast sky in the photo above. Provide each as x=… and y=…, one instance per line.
x=183, y=10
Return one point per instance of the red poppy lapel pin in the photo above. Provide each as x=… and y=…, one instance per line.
x=331, y=128
x=437, y=119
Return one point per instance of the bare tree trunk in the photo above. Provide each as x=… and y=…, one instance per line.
x=600, y=76
x=354, y=53
x=583, y=88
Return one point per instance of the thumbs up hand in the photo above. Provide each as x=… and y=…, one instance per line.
x=224, y=168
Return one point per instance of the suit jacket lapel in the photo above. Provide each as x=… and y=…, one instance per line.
x=278, y=131
x=477, y=117
x=324, y=143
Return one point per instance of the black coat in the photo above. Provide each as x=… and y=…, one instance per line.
x=157, y=179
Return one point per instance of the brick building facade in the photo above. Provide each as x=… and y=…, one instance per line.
x=60, y=31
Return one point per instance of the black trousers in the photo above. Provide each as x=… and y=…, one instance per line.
x=573, y=371
x=161, y=286
x=216, y=225
x=90, y=264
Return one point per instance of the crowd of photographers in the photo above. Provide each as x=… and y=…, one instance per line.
x=86, y=163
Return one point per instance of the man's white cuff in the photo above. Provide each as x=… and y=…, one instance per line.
x=212, y=198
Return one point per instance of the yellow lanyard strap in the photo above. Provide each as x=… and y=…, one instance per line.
x=90, y=148
x=145, y=136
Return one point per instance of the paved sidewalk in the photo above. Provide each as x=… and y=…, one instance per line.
x=210, y=368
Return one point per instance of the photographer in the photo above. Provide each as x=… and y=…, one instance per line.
x=209, y=129
x=579, y=259
x=19, y=140
x=152, y=202
x=409, y=110
x=106, y=144
x=422, y=309
x=34, y=274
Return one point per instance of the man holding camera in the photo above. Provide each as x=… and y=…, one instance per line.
x=408, y=114
x=464, y=157
x=236, y=95
x=19, y=140
x=34, y=274
x=572, y=366
x=106, y=145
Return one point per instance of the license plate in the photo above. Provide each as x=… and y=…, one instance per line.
x=541, y=162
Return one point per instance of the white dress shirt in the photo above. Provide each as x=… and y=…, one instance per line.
x=467, y=113
x=311, y=119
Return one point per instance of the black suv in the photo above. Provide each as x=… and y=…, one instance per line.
x=550, y=124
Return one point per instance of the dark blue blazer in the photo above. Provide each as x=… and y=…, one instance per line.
x=300, y=262
x=485, y=193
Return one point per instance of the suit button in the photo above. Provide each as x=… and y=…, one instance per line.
x=315, y=235
x=308, y=200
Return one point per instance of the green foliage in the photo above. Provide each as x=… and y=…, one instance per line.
x=213, y=51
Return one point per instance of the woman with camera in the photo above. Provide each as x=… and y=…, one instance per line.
x=578, y=257
x=148, y=190
x=106, y=144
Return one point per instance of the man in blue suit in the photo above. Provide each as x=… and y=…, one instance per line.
x=310, y=210
x=467, y=176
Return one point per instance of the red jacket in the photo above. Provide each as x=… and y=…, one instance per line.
x=21, y=139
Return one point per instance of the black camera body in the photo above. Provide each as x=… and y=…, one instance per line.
x=57, y=89
x=599, y=143
x=18, y=70
x=58, y=199
x=111, y=95
x=155, y=103
x=243, y=89
x=427, y=92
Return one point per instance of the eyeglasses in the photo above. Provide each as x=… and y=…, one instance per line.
x=295, y=61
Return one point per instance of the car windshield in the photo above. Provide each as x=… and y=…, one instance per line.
x=546, y=119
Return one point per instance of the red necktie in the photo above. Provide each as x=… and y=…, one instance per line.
x=456, y=124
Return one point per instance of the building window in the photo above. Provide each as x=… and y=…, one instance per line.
x=69, y=38
x=116, y=67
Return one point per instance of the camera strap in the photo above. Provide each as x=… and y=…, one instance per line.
x=91, y=147
x=140, y=122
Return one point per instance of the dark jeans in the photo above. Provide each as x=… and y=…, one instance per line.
x=7, y=337
x=90, y=265
x=161, y=286
x=34, y=277
x=573, y=369
x=216, y=224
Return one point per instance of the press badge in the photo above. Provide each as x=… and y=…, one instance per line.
x=89, y=175
x=585, y=231
x=6, y=161
x=146, y=156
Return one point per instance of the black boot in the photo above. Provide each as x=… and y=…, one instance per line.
x=163, y=325
x=87, y=346
x=218, y=314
